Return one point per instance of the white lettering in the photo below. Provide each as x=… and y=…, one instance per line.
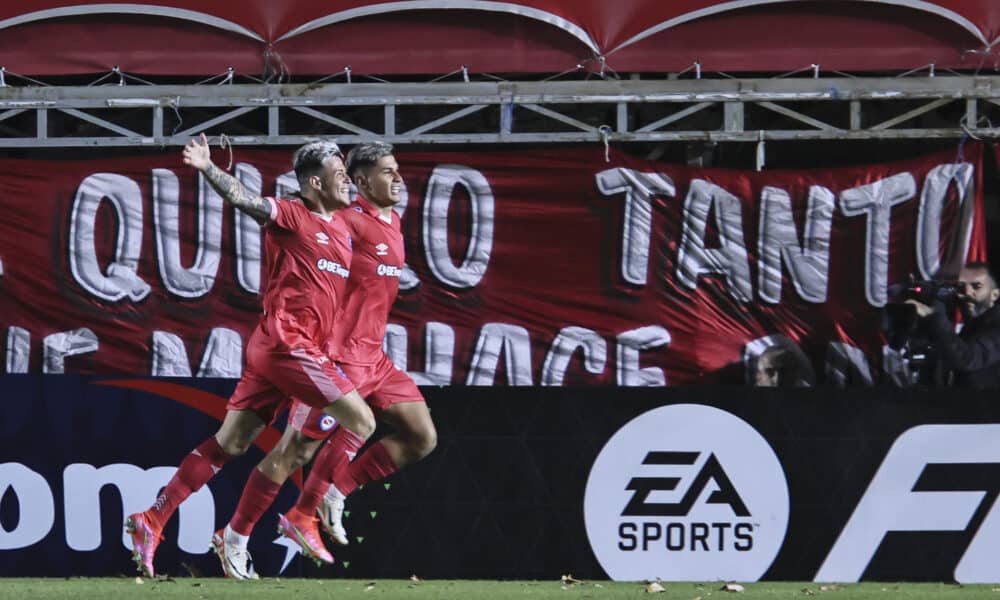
x=640, y=191
x=569, y=340
x=440, y=187
x=808, y=263
x=630, y=344
x=138, y=489
x=875, y=201
x=18, y=349
x=932, y=200
x=36, y=507
x=891, y=503
x=388, y=271
x=847, y=365
x=223, y=356
x=496, y=338
x=332, y=267
x=121, y=279
x=439, y=352
x=57, y=346
x=247, y=230
x=694, y=260
x=196, y=281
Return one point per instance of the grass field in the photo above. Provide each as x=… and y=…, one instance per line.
x=336, y=589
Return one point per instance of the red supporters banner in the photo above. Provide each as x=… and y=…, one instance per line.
x=524, y=267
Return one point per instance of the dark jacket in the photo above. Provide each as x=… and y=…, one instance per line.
x=973, y=355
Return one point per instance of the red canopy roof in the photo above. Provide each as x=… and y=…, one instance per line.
x=314, y=37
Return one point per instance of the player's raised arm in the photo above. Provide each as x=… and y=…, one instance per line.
x=198, y=155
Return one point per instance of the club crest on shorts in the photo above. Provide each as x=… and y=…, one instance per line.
x=326, y=422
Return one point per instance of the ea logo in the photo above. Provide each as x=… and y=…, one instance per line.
x=686, y=493
x=326, y=422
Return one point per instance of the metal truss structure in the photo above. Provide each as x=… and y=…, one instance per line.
x=499, y=112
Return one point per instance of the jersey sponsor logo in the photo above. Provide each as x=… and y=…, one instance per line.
x=382, y=249
x=322, y=238
x=326, y=422
x=686, y=492
x=388, y=271
x=935, y=478
x=331, y=266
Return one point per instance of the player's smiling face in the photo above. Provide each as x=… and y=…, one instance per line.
x=383, y=185
x=334, y=185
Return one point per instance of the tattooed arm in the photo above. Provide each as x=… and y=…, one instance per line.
x=197, y=154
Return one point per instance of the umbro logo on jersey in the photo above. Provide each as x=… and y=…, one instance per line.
x=382, y=249
x=322, y=238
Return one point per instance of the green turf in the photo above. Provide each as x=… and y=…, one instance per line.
x=338, y=589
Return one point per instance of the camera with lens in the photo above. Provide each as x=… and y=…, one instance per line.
x=925, y=291
x=903, y=330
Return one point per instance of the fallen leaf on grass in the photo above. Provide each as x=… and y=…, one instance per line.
x=732, y=587
x=654, y=587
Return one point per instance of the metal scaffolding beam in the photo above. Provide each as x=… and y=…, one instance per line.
x=717, y=110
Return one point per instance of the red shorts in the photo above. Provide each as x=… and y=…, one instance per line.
x=275, y=374
x=381, y=384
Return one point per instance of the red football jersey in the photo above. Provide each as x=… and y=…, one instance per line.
x=307, y=267
x=376, y=265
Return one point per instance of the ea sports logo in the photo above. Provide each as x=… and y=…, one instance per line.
x=686, y=493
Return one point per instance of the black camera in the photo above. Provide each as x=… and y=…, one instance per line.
x=925, y=291
x=904, y=332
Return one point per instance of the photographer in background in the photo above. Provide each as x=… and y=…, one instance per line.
x=972, y=357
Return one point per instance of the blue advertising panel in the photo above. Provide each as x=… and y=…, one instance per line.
x=644, y=483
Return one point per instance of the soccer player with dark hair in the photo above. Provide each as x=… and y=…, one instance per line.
x=307, y=250
x=372, y=288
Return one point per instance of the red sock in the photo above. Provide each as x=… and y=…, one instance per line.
x=258, y=494
x=374, y=464
x=336, y=455
x=328, y=460
x=195, y=470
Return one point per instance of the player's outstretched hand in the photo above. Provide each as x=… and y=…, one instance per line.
x=197, y=153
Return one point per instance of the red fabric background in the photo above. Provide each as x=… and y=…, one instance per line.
x=754, y=36
x=555, y=263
